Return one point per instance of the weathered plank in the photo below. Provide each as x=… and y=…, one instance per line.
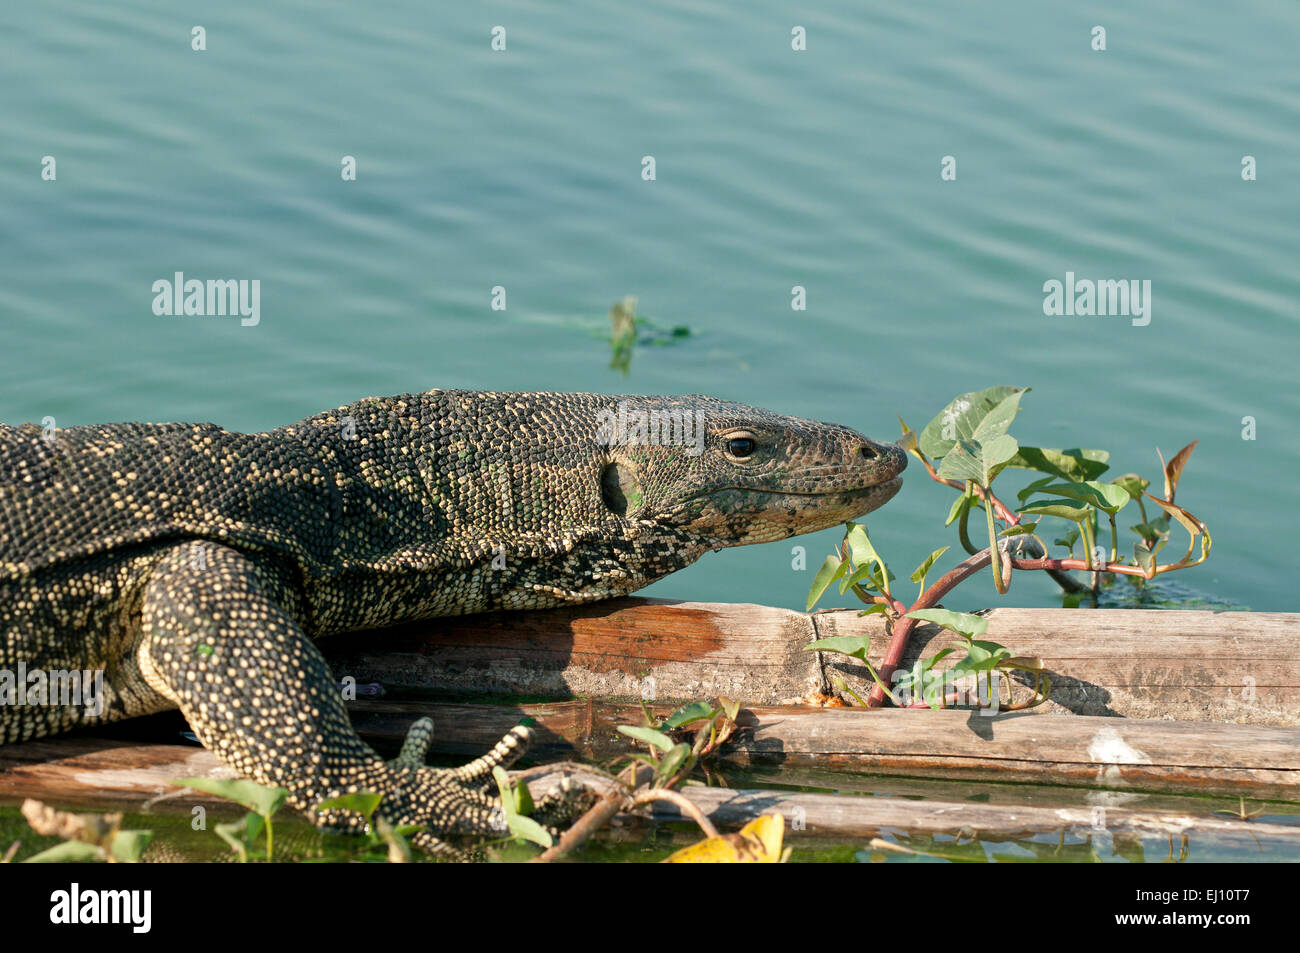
x=622, y=648
x=1241, y=667
x=111, y=774
x=1090, y=752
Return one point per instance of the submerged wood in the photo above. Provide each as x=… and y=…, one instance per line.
x=1240, y=667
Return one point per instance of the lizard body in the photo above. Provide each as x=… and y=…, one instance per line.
x=195, y=567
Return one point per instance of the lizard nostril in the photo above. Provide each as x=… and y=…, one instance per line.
x=868, y=453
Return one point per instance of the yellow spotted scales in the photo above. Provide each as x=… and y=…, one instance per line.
x=195, y=567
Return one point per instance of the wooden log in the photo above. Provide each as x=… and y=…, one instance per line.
x=848, y=816
x=1241, y=667
x=100, y=774
x=1089, y=752
x=621, y=648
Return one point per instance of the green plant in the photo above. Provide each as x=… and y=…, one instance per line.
x=671, y=759
x=971, y=443
x=262, y=803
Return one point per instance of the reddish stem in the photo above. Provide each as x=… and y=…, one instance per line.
x=1000, y=509
x=903, y=626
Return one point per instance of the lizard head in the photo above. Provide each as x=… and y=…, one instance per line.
x=724, y=474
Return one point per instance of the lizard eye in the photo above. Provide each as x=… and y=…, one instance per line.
x=741, y=446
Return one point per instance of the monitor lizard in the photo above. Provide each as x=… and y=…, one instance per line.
x=196, y=567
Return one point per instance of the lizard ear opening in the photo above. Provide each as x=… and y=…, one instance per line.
x=618, y=486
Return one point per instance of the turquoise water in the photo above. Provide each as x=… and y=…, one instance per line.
x=774, y=168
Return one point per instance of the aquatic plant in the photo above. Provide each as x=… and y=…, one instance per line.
x=970, y=441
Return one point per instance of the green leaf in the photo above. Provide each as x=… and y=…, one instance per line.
x=241, y=834
x=1107, y=497
x=921, y=571
x=860, y=547
x=258, y=798
x=958, y=505
x=916, y=680
x=1070, y=539
x=981, y=657
x=878, y=574
x=908, y=441
x=672, y=761
x=979, y=461
x=860, y=575
x=69, y=852
x=832, y=569
x=523, y=799
x=528, y=829
x=964, y=415
x=362, y=802
x=695, y=711
x=1132, y=483
x=872, y=609
x=128, y=846
x=1019, y=529
x=1032, y=488
x=855, y=645
x=648, y=735
x=1152, y=534
x=962, y=623
x=1075, y=465
x=1056, y=508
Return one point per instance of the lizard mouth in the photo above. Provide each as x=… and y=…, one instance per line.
x=884, y=490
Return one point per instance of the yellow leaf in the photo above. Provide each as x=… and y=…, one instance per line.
x=758, y=842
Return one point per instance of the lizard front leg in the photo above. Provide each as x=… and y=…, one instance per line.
x=221, y=639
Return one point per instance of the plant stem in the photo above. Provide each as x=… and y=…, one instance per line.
x=998, y=583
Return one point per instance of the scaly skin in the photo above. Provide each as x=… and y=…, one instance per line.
x=196, y=567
